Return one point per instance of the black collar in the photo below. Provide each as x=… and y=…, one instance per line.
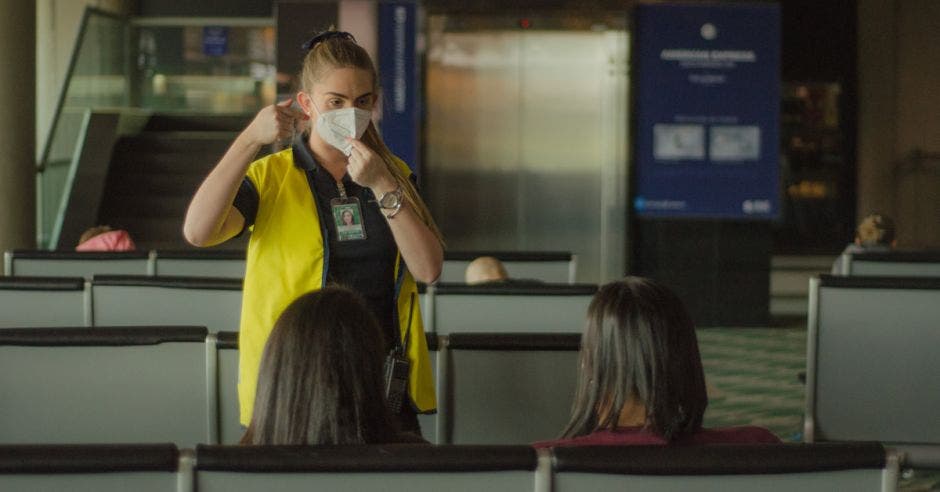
x=303, y=157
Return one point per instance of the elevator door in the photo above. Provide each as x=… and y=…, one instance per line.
x=526, y=133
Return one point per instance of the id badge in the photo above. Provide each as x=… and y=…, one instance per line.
x=347, y=215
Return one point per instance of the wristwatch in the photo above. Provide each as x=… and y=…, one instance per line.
x=391, y=201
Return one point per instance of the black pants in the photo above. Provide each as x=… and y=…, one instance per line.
x=408, y=419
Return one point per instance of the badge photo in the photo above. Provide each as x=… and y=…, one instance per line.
x=347, y=215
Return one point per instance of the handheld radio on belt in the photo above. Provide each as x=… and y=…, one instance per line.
x=396, y=370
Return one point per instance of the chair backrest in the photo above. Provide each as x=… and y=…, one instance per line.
x=89, y=468
x=42, y=301
x=891, y=263
x=140, y=300
x=726, y=468
x=872, y=362
x=547, y=266
x=406, y=468
x=75, y=264
x=200, y=263
x=505, y=388
x=549, y=308
x=109, y=385
x=230, y=429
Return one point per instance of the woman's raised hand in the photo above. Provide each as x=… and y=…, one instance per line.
x=367, y=169
x=275, y=123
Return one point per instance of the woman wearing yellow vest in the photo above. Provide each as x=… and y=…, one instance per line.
x=294, y=203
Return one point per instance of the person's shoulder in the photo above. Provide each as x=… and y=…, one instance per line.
x=852, y=248
x=275, y=166
x=114, y=240
x=625, y=436
x=743, y=434
x=276, y=160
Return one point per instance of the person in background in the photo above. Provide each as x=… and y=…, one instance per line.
x=488, y=271
x=321, y=376
x=876, y=232
x=641, y=379
x=290, y=201
x=485, y=269
x=103, y=238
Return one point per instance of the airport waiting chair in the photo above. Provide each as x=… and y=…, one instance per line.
x=547, y=266
x=396, y=467
x=89, y=468
x=872, y=363
x=548, y=308
x=859, y=467
x=25, y=263
x=199, y=263
x=42, y=301
x=108, y=385
x=505, y=388
x=230, y=429
x=895, y=263
x=140, y=300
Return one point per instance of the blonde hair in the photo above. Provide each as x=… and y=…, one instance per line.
x=875, y=229
x=341, y=51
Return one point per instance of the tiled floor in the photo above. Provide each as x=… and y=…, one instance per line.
x=751, y=374
x=752, y=378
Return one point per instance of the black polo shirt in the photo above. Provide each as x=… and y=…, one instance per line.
x=366, y=266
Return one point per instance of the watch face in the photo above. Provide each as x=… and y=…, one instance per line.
x=390, y=200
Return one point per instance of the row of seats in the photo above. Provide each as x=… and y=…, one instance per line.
x=895, y=263
x=870, y=357
x=195, y=263
x=860, y=467
x=115, y=300
x=547, y=266
x=506, y=308
x=179, y=384
x=108, y=300
x=872, y=364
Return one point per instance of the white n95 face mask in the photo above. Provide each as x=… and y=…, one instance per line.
x=334, y=126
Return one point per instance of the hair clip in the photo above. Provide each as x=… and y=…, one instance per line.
x=323, y=36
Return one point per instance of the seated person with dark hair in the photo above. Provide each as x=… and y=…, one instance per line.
x=641, y=379
x=321, y=376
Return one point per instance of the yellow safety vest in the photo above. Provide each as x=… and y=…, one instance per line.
x=285, y=259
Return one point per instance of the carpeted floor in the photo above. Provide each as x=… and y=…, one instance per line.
x=752, y=378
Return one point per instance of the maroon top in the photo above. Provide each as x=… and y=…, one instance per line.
x=639, y=436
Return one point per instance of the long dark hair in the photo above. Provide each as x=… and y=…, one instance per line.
x=320, y=380
x=639, y=345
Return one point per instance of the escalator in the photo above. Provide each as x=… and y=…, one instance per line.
x=154, y=173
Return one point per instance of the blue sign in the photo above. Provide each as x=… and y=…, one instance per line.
x=214, y=40
x=399, y=78
x=708, y=99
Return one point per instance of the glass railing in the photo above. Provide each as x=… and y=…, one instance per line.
x=97, y=78
x=178, y=65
